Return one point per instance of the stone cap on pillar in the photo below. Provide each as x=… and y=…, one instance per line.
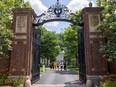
x=24, y=10
x=92, y=9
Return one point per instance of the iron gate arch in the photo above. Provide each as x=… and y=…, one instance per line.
x=57, y=12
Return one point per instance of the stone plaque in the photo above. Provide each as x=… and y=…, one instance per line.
x=21, y=24
x=94, y=20
x=21, y=37
x=97, y=36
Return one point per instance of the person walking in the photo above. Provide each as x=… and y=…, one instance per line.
x=51, y=66
x=58, y=65
x=61, y=65
x=64, y=65
x=54, y=66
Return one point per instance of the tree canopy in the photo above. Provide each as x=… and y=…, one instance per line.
x=108, y=25
x=49, y=44
x=6, y=34
x=71, y=39
x=70, y=44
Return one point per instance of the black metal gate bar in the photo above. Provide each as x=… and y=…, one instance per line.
x=36, y=55
x=82, y=67
x=57, y=12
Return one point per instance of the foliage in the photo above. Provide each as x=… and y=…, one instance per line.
x=18, y=81
x=49, y=44
x=109, y=50
x=108, y=26
x=52, y=43
x=4, y=80
x=108, y=80
x=5, y=42
x=71, y=39
x=70, y=43
x=5, y=24
x=109, y=16
x=77, y=18
x=41, y=70
x=75, y=68
x=108, y=84
x=6, y=34
x=99, y=2
x=61, y=38
x=6, y=7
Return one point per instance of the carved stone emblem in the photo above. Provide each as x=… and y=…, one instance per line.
x=94, y=20
x=21, y=24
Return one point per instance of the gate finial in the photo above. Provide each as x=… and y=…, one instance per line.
x=57, y=1
x=90, y=4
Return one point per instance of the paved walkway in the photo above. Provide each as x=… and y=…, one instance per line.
x=57, y=85
x=55, y=78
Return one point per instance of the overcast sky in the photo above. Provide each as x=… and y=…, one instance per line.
x=40, y=6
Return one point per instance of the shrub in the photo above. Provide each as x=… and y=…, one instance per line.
x=108, y=81
x=4, y=80
x=108, y=84
x=5, y=42
x=18, y=81
x=109, y=49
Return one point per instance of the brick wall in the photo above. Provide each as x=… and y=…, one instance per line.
x=93, y=39
x=4, y=66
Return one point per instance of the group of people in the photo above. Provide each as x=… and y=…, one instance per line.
x=58, y=65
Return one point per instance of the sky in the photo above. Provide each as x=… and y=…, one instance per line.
x=40, y=6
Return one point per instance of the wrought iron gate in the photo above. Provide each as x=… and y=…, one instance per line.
x=36, y=55
x=57, y=12
x=82, y=67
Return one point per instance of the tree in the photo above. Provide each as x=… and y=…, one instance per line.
x=109, y=16
x=49, y=44
x=70, y=44
x=108, y=25
x=5, y=42
x=100, y=2
x=71, y=39
x=5, y=26
x=6, y=7
x=61, y=39
x=6, y=34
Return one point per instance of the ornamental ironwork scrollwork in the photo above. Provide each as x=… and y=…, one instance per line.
x=57, y=12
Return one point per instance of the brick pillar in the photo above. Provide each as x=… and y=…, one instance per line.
x=95, y=63
x=21, y=55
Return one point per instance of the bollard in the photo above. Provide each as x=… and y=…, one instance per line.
x=27, y=82
x=43, y=68
x=89, y=83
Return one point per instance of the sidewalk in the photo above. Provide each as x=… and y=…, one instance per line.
x=57, y=85
x=58, y=78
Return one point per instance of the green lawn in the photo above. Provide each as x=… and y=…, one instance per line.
x=70, y=67
x=46, y=69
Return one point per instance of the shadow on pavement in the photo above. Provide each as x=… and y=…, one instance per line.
x=67, y=72
x=75, y=83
